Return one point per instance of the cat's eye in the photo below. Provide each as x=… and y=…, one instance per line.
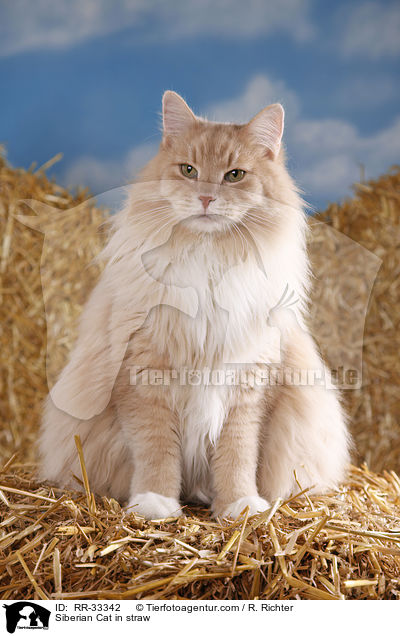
x=233, y=176
x=188, y=171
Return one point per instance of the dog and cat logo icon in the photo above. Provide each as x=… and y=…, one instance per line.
x=26, y=615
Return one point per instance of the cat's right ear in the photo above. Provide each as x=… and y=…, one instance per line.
x=177, y=116
x=266, y=128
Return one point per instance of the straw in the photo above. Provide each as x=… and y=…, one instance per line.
x=110, y=553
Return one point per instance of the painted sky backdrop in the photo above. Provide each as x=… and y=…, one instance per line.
x=86, y=77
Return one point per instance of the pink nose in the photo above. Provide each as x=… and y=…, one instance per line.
x=206, y=201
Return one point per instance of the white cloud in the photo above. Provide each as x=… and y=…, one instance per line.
x=322, y=136
x=329, y=154
x=100, y=175
x=371, y=30
x=259, y=92
x=365, y=92
x=328, y=176
x=49, y=24
x=382, y=147
x=235, y=18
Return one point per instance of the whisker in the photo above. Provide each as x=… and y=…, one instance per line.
x=153, y=217
x=259, y=223
x=250, y=232
x=267, y=220
x=242, y=238
x=162, y=227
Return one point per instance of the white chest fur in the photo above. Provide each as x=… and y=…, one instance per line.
x=229, y=327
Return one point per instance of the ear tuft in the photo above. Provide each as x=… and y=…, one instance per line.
x=177, y=116
x=267, y=128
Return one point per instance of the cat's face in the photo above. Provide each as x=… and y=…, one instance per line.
x=220, y=177
x=210, y=176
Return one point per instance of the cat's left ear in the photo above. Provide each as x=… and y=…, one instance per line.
x=177, y=116
x=267, y=128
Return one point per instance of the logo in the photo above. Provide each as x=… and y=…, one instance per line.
x=26, y=615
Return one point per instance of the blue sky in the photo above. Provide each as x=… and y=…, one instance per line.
x=86, y=77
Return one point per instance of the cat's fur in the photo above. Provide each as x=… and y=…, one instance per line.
x=230, y=446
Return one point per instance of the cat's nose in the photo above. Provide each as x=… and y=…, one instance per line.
x=206, y=201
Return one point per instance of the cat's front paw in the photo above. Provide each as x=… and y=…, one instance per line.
x=255, y=504
x=151, y=505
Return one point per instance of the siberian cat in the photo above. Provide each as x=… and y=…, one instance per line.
x=211, y=238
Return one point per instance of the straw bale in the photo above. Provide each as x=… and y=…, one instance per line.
x=75, y=241
x=67, y=545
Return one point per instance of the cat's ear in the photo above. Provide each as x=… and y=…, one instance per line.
x=267, y=128
x=177, y=116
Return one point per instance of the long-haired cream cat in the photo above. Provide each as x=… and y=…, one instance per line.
x=213, y=219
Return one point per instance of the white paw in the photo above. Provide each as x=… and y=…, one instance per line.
x=255, y=504
x=151, y=505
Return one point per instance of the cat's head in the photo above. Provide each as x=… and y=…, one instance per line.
x=221, y=177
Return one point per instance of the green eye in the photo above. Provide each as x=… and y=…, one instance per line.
x=188, y=171
x=234, y=175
